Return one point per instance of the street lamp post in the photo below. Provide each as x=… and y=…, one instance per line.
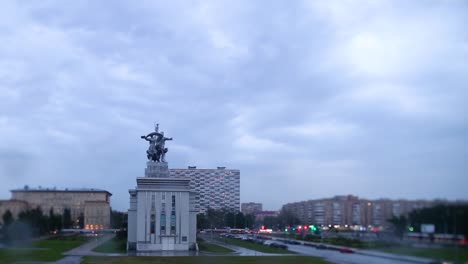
x=455, y=233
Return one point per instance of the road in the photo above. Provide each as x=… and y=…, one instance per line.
x=347, y=258
x=360, y=257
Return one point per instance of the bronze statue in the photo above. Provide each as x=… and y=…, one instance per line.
x=157, y=150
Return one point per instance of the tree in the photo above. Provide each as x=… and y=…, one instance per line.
x=80, y=221
x=36, y=221
x=448, y=219
x=249, y=220
x=118, y=219
x=202, y=221
x=230, y=220
x=216, y=218
x=54, y=222
x=240, y=220
x=287, y=218
x=399, y=224
x=67, y=221
x=7, y=218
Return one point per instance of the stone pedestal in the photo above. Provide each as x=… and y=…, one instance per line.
x=156, y=169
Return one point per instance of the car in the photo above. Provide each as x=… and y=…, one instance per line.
x=322, y=246
x=346, y=250
x=278, y=245
x=258, y=241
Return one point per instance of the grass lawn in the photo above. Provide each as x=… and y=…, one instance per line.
x=43, y=250
x=435, y=253
x=256, y=247
x=115, y=245
x=206, y=260
x=208, y=247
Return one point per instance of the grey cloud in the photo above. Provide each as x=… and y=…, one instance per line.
x=322, y=97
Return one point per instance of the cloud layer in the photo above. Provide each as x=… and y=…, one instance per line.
x=308, y=99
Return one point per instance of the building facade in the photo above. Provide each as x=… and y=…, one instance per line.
x=260, y=215
x=215, y=188
x=91, y=205
x=162, y=214
x=349, y=210
x=251, y=208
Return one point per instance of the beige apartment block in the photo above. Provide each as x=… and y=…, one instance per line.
x=93, y=205
x=96, y=215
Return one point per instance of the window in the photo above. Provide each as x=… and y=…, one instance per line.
x=152, y=216
x=173, y=223
x=152, y=223
x=163, y=223
x=184, y=239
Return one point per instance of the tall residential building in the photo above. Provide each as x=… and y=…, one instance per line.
x=215, y=188
x=351, y=210
x=251, y=208
x=91, y=204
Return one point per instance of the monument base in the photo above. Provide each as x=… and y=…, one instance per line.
x=156, y=169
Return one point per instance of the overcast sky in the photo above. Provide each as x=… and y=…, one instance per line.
x=309, y=99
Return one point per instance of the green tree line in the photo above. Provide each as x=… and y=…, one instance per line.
x=221, y=218
x=447, y=219
x=33, y=223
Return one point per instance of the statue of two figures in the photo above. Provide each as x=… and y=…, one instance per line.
x=156, y=151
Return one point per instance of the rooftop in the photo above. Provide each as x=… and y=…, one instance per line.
x=54, y=189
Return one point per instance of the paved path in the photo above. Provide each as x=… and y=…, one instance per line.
x=75, y=255
x=86, y=249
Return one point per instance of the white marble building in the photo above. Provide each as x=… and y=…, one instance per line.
x=162, y=213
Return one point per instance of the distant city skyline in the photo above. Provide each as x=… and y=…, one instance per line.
x=348, y=210
x=308, y=99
